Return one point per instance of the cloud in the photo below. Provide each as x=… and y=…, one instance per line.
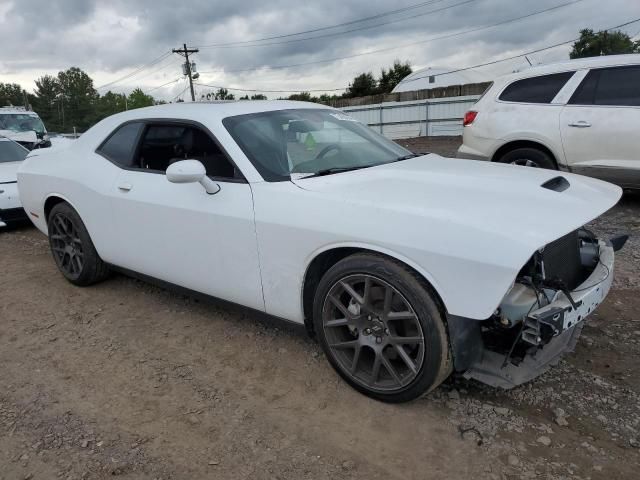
x=111, y=39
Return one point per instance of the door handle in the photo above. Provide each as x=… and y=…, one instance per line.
x=125, y=187
x=580, y=124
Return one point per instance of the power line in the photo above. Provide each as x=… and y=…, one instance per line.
x=516, y=56
x=271, y=91
x=352, y=22
x=493, y=62
x=181, y=93
x=174, y=62
x=136, y=71
x=163, y=85
x=354, y=29
x=387, y=49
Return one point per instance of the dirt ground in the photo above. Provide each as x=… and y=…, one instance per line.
x=125, y=379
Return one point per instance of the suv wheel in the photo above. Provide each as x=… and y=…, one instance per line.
x=529, y=157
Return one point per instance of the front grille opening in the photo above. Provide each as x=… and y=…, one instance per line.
x=562, y=261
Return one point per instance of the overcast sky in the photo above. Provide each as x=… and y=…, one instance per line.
x=110, y=39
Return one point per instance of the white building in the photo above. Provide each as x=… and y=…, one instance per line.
x=437, y=77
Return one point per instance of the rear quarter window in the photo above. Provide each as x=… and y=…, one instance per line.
x=120, y=146
x=540, y=89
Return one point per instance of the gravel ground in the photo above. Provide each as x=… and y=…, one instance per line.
x=125, y=379
x=445, y=146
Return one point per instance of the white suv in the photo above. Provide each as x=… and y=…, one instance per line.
x=581, y=116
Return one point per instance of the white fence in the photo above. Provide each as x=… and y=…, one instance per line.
x=415, y=118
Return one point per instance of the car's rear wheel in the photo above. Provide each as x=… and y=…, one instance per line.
x=529, y=157
x=381, y=328
x=72, y=248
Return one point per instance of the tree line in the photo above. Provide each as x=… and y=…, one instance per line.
x=69, y=99
x=363, y=84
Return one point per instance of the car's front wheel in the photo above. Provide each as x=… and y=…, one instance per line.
x=72, y=248
x=381, y=329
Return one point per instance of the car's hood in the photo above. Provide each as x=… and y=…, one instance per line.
x=8, y=171
x=28, y=136
x=507, y=200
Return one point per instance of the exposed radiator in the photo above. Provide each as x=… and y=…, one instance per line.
x=562, y=260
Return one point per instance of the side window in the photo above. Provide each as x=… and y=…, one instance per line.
x=121, y=145
x=540, y=89
x=618, y=86
x=164, y=144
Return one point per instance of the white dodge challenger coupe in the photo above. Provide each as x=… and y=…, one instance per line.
x=406, y=267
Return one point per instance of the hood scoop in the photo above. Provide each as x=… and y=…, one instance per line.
x=557, y=184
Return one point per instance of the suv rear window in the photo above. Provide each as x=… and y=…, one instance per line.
x=540, y=89
x=618, y=86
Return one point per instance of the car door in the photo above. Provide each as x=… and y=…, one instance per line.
x=179, y=233
x=599, y=125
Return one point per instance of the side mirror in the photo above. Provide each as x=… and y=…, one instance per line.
x=191, y=171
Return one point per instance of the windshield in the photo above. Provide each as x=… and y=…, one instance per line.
x=21, y=122
x=11, y=152
x=309, y=141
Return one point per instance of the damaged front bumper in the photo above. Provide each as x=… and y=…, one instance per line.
x=549, y=331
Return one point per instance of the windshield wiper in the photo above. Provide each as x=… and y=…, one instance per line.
x=330, y=171
x=407, y=157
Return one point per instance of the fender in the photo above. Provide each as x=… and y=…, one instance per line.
x=372, y=248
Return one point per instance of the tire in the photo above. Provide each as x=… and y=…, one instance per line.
x=530, y=157
x=377, y=324
x=72, y=248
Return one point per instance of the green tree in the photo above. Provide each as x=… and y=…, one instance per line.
x=392, y=77
x=110, y=103
x=11, y=94
x=221, y=94
x=47, y=103
x=139, y=99
x=301, y=97
x=78, y=99
x=363, y=84
x=257, y=96
x=594, y=44
x=69, y=100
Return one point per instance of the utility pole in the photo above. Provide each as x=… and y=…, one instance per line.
x=185, y=53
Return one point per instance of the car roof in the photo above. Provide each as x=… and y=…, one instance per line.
x=15, y=110
x=206, y=113
x=212, y=110
x=576, y=64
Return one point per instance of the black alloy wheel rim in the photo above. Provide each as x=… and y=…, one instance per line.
x=66, y=245
x=373, y=333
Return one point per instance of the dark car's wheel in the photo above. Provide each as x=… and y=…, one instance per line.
x=381, y=329
x=72, y=248
x=529, y=157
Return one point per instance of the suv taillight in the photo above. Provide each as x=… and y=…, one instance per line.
x=469, y=117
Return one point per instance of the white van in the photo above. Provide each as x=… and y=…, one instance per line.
x=19, y=124
x=581, y=116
